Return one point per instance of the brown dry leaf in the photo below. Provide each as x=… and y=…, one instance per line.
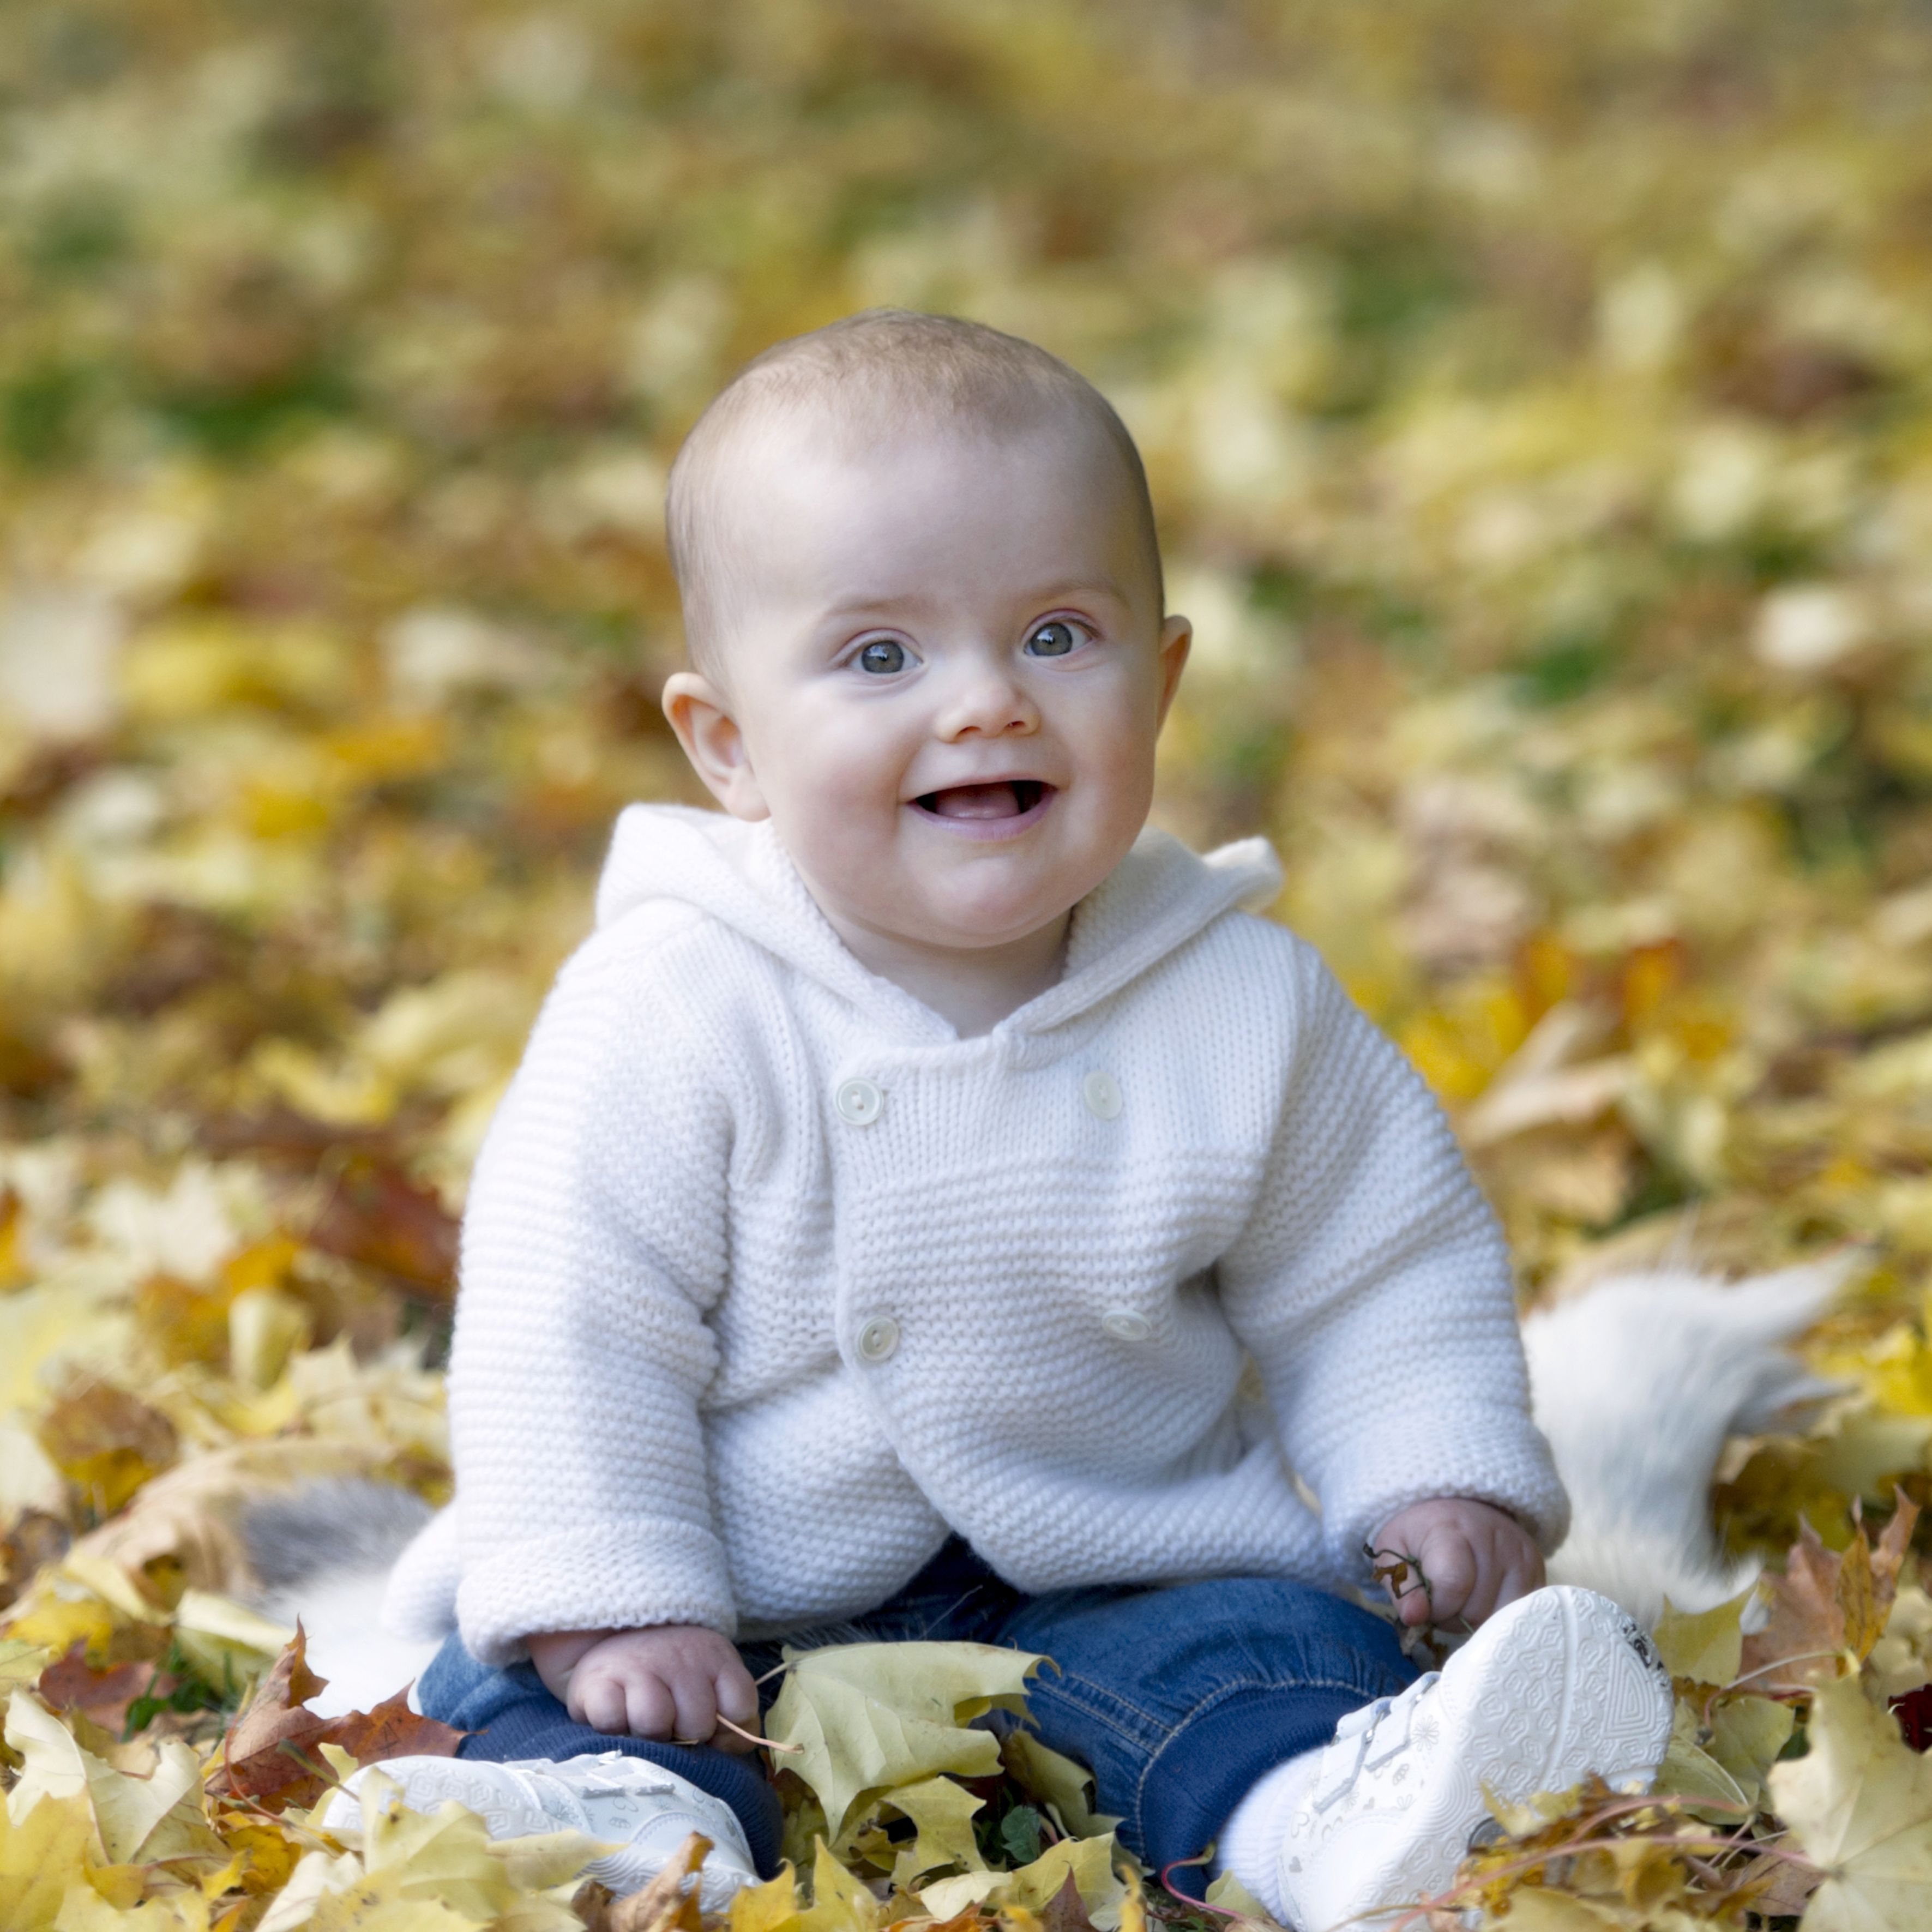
x=1777, y=1888
x=272, y=1752
x=36, y=1538
x=1066, y=1911
x=669, y=1903
x=71, y=1683
x=391, y=1729
x=1824, y=1606
x=106, y=1442
x=376, y=1215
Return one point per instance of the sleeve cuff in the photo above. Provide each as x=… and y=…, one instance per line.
x=1494, y=1455
x=615, y=1576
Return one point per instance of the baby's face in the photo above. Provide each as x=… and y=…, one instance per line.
x=943, y=670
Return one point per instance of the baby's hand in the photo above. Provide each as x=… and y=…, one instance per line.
x=675, y=1681
x=1473, y=1559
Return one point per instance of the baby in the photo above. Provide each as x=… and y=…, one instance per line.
x=898, y=1185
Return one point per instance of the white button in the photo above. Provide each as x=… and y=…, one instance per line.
x=858, y=1101
x=1127, y=1325
x=878, y=1338
x=1102, y=1093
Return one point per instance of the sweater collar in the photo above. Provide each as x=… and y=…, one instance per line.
x=1156, y=899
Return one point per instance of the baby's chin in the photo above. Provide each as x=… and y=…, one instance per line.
x=979, y=911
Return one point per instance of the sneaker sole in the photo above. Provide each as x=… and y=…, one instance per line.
x=497, y=1795
x=492, y=1791
x=1573, y=1687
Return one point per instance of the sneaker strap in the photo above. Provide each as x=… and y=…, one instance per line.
x=1365, y=1739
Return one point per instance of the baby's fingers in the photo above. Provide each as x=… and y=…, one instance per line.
x=697, y=1700
x=1449, y=1564
x=599, y=1699
x=650, y=1710
x=737, y=1700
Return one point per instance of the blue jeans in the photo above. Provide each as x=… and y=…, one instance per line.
x=1178, y=1698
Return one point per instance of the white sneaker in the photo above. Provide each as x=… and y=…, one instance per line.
x=642, y=1807
x=1557, y=1685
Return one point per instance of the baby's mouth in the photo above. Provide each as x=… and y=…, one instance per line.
x=1010, y=798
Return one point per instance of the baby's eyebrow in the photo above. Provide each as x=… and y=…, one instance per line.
x=910, y=602
x=1062, y=593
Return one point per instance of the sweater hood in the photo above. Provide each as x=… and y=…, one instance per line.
x=1158, y=897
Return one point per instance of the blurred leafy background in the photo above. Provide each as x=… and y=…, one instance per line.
x=1536, y=396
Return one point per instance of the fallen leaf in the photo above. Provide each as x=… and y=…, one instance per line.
x=159, y=1817
x=43, y=1851
x=1824, y=1606
x=1707, y=1648
x=1777, y=1888
x=20, y=1662
x=870, y=1717
x=1228, y=1891
x=1747, y=1733
x=772, y=1906
x=391, y=1729
x=839, y=1902
x=669, y=1903
x=376, y=1215
x=72, y=1684
x=1065, y=1788
x=190, y=1513
x=1860, y=1804
x=1066, y=1911
x=273, y=1751
x=943, y=1812
x=1088, y=1863
x=318, y=1876
x=1691, y=1772
x=229, y=1643
x=106, y=1442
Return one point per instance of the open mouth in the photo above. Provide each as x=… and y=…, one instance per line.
x=999, y=806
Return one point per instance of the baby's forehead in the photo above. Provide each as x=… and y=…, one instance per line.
x=896, y=466
x=863, y=431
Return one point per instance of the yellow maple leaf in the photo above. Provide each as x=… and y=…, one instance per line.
x=1063, y=1786
x=84, y=1910
x=839, y=1902
x=136, y=1819
x=42, y=1852
x=1746, y=1735
x=943, y=1813
x=1860, y=1803
x=872, y=1716
x=1089, y=1862
x=1706, y=1647
x=772, y=1906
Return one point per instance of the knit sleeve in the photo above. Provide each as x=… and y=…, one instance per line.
x=593, y=1244
x=1373, y=1287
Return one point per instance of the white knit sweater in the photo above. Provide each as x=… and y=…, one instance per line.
x=769, y=1279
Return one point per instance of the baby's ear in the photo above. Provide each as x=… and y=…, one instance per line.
x=1177, y=636
x=701, y=716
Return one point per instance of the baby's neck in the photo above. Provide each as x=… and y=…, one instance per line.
x=975, y=988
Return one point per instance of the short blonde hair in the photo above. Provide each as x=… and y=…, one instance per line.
x=886, y=369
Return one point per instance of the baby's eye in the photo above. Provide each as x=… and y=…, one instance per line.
x=883, y=655
x=1052, y=639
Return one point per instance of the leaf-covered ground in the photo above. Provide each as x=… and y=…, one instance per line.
x=1536, y=398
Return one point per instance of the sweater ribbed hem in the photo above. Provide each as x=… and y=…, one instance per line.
x=625, y=1575
x=1488, y=1453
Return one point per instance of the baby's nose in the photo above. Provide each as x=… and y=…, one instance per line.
x=988, y=702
